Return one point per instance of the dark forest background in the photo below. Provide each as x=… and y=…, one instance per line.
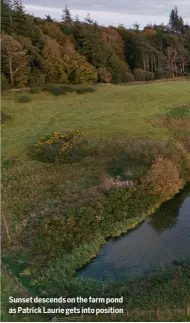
x=36, y=51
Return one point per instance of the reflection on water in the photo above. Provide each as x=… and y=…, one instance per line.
x=167, y=216
x=159, y=241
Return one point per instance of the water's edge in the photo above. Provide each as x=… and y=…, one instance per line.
x=123, y=230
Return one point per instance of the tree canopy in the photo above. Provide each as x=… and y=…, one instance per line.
x=36, y=50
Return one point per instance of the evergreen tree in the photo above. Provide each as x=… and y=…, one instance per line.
x=6, y=16
x=49, y=19
x=136, y=26
x=66, y=16
x=176, y=23
x=90, y=43
x=19, y=19
x=67, y=21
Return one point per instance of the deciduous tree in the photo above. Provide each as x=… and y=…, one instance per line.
x=14, y=60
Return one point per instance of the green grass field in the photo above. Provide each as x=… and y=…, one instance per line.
x=110, y=117
x=110, y=111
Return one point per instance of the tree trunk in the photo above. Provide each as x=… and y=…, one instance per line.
x=11, y=71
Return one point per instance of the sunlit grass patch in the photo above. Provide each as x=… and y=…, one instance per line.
x=181, y=111
x=176, y=118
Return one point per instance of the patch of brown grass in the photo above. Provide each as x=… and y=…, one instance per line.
x=171, y=123
x=184, y=139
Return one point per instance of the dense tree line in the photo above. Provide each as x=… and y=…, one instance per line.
x=37, y=51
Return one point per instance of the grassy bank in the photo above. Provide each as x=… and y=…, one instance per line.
x=57, y=215
x=162, y=296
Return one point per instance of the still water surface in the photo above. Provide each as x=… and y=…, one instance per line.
x=160, y=240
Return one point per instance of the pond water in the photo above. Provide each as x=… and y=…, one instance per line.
x=158, y=242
